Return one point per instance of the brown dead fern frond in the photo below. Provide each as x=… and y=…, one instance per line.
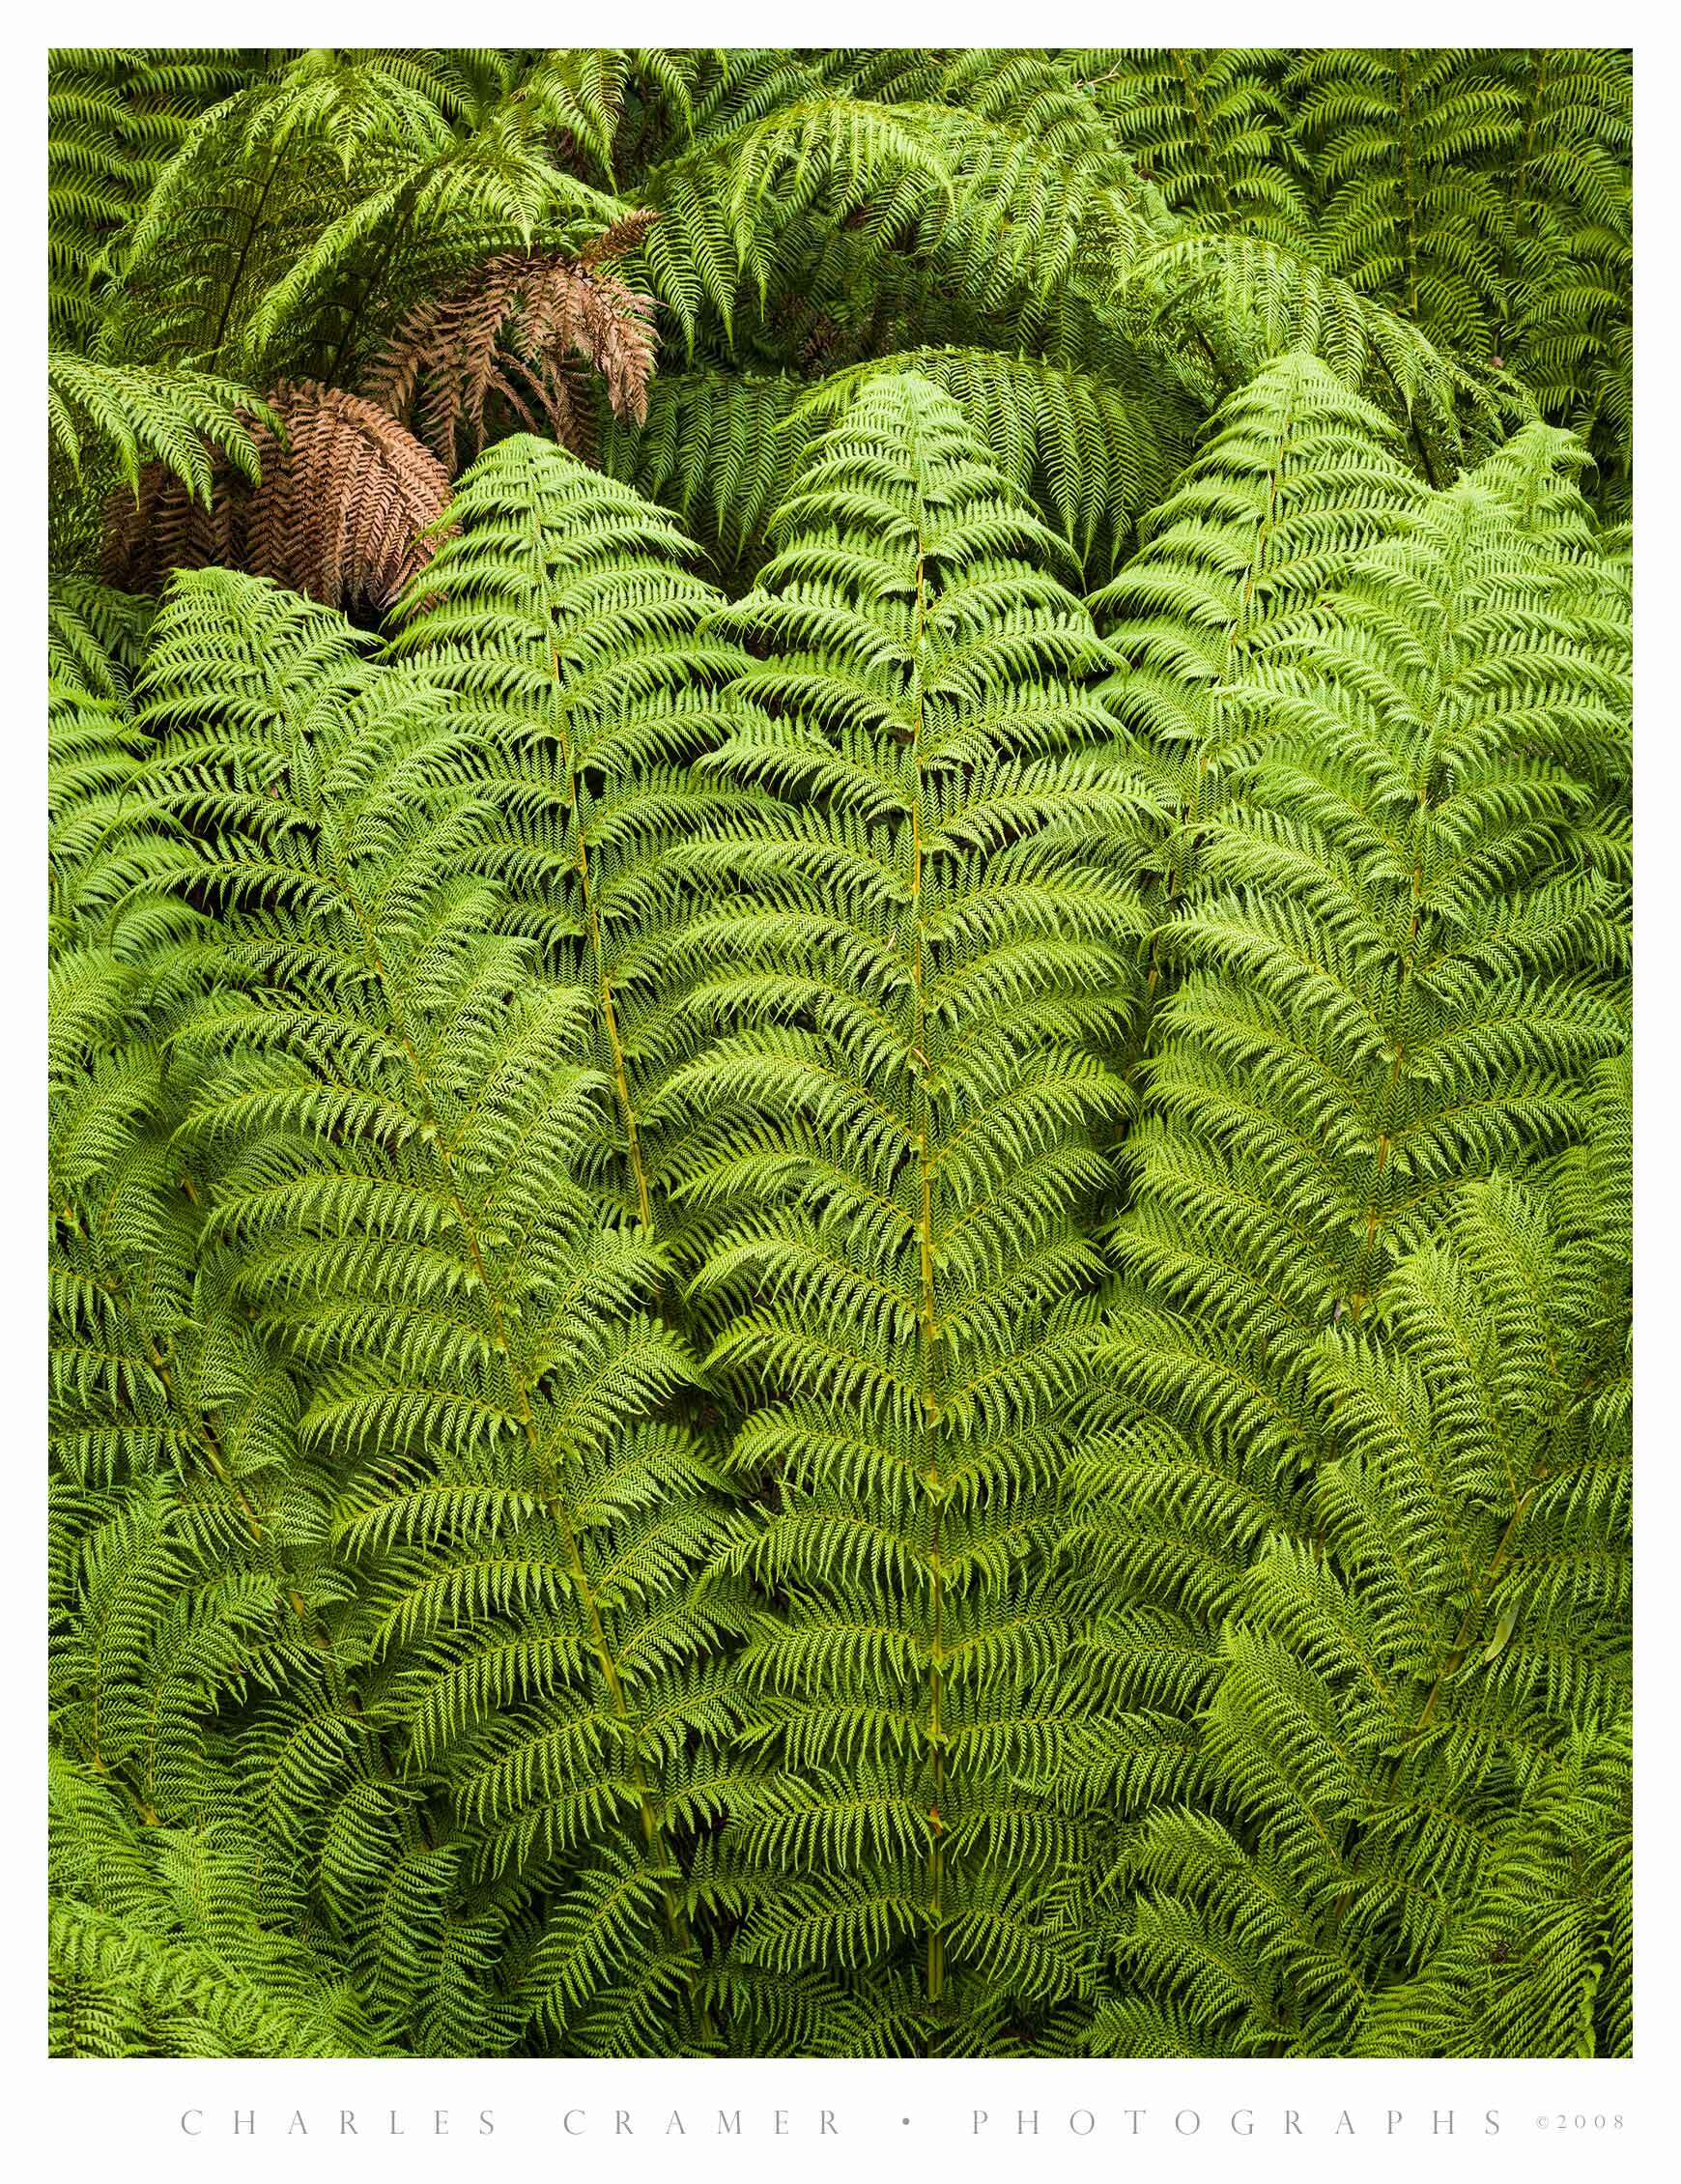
x=619, y=240
x=337, y=514
x=510, y=341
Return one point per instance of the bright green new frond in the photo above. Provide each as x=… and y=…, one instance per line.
x=159, y=1943
x=572, y=639
x=394, y=1115
x=1400, y=971
x=170, y=417
x=1295, y=476
x=895, y=1124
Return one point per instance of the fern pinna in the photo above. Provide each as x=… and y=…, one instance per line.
x=912, y=1003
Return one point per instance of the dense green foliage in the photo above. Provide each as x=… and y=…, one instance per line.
x=839, y=1243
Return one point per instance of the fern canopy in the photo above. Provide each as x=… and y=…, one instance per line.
x=839, y=1123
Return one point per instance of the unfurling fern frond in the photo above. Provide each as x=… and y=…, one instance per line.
x=341, y=512
x=894, y=1124
x=507, y=340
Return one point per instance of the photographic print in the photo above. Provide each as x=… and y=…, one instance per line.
x=839, y=1134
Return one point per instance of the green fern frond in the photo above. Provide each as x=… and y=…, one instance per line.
x=1422, y=1717
x=802, y=1301
x=716, y=450
x=1093, y=451
x=558, y=616
x=1399, y=973
x=393, y=1113
x=141, y=415
x=894, y=1120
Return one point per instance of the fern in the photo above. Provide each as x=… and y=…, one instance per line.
x=894, y=1120
x=114, y=115
x=186, y=1528
x=1399, y=969
x=1085, y=447
x=167, y=416
x=1210, y=128
x=1425, y=1722
x=715, y=449
x=561, y=622
x=1295, y=476
x=392, y=1115
x=838, y=1130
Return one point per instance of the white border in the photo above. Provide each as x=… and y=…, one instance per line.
x=126, y=2119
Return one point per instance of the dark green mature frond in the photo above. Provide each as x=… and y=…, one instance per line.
x=1296, y=474
x=298, y=221
x=715, y=448
x=179, y=418
x=1487, y=193
x=1223, y=305
x=1093, y=451
x=723, y=206
x=1210, y=126
x=114, y=115
x=894, y=1121
x=1482, y=193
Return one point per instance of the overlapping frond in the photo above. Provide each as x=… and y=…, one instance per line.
x=573, y=648
x=341, y=510
x=1422, y=1717
x=1401, y=966
x=894, y=1120
x=171, y=421
x=393, y=1115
